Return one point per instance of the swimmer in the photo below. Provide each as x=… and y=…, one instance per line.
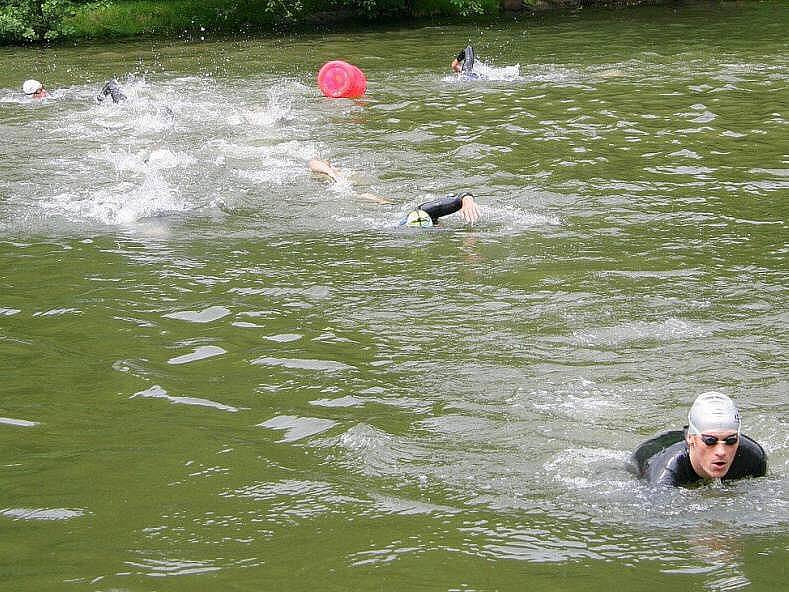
x=34, y=89
x=111, y=88
x=710, y=448
x=464, y=62
x=322, y=167
x=424, y=215
x=428, y=213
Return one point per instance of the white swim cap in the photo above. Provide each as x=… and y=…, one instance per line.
x=31, y=86
x=713, y=411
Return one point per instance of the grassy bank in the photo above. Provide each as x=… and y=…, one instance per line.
x=32, y=21
x=28, y=21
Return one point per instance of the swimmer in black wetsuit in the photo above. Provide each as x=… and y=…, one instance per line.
x=428, y=213
x=424, y=215
x=464, y=62
x=710, y=448
x=112, y=89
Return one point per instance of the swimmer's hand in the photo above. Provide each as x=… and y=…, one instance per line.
x=324, y=168
x=470, y=210
x=376, y=198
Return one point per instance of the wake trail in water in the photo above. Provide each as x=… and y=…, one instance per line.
x=177, y=146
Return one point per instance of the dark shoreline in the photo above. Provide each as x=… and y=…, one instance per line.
x=87, y=25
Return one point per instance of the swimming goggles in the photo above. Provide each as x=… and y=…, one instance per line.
x=713, y=440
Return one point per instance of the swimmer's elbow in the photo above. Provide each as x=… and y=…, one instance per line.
x=322, y=167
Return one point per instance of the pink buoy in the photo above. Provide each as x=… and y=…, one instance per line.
x=341, y=80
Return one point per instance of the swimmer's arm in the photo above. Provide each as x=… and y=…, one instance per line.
x=463, y=203
x=324, y=168
x=375, y=198
x=470, y=210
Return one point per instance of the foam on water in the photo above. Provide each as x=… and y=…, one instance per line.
x=488, y=73
x=159, y=152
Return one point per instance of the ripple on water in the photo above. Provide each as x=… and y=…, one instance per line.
x=57, y=312
x=374, y=452
x=22, y=423
x=635, y=332
x=172, y=567
x=43, y=513
x=283, y=337
x=347, y=401
x=297, y=428
x=291, y=499
x=207, y=315
x=200, y=353
x=157, y=392
x=385, y=504
x=303, y=364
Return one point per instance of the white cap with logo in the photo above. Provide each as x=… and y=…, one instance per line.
x=713, y=411
x=31, y=86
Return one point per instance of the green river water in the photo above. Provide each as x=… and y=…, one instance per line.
x=220, y=372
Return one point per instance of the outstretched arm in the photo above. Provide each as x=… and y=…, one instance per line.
x=324, y=168
x=470, y=210
x=375, y=198
x=463, y=203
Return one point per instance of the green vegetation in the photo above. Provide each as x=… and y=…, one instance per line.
x=23, y=21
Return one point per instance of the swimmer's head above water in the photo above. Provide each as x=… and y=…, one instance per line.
x=464, y=62
x=713, y=411
x=34, y=89
x=713, y=434
x=710, y=448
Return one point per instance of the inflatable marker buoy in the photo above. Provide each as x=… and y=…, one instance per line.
x=341, y=80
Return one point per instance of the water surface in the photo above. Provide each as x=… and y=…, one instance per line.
x=222, y=372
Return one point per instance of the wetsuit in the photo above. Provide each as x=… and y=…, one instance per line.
x=428, y=213
x=665, y=460
x=466, y=57
x=112, y=89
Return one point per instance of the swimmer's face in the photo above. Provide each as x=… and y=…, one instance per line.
x=39, y=94
x=712, y=453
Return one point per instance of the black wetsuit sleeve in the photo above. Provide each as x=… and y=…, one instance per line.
x=442, y=206
x=112, y=89
x=637, y=463
x=671, y=467
x=117, y=95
